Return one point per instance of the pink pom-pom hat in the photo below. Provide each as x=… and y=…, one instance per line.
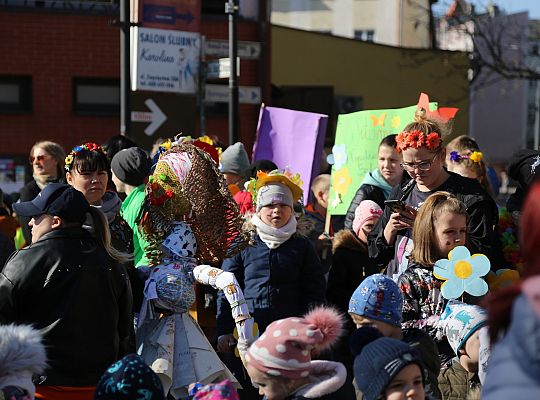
x=284, y=349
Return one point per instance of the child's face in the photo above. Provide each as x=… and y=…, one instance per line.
x=406, y=385
x=272, y=388
x=388, y=164
x=275, y=215
x=387, y=330
x=470, y=353
x=450, y=232
x=365, y=229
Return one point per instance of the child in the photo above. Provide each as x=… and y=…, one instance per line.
x=378, y=303
x=462, y=324
x=280, y=363
x=281, y=275
x=423, y=158
x=389, y=369
x=234, y=166
x=378, y=183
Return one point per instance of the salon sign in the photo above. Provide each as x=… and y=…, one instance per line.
x=165, y=60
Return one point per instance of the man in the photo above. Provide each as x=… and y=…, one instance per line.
x=69, y=286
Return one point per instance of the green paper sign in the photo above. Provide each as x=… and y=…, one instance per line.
x=355, y=150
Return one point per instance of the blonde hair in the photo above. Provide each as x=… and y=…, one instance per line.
x=425, y=250
x=321, y=182
x=55, y=150
x=425, y=125
x=103, y=235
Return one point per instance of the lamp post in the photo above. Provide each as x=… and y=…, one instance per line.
x=125, y=83
x=231, y=8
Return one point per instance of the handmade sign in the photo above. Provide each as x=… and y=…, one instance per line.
x=462, y=273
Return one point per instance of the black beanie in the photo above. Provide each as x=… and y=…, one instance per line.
x=131, y=166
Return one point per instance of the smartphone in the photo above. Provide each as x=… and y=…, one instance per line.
x=395, y=205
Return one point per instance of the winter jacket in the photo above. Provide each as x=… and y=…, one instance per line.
x=482, y=217
x=277, y=283
x=67, y=285
x=514, y=366
x=373, y=187
x=326, y=378
x=456, y=383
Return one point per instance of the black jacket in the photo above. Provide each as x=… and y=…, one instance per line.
x=482, y=217
x=66, y=285
x=365, y=192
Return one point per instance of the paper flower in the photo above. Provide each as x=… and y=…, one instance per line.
x=501, y=279
x=433, y=140
x=454, y=156
x=338, y=158
x=462, y=273
x=476, y=156
x=342, y=181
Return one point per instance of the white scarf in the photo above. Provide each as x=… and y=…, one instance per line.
x=274, y=237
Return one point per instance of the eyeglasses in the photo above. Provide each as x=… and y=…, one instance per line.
x=422, y=165
x=40, y=158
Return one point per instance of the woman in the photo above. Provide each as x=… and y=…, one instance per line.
x=47, y=161
x=423, y=158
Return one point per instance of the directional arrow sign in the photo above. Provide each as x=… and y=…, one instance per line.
x=246, y=50
x=156, y=117
x=165, y=14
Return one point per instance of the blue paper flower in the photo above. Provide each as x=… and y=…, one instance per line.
x=338, y=158
x=454, y=156
x=462, y=273
x=76, y=149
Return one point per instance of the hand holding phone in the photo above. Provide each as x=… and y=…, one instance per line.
x=395, y=205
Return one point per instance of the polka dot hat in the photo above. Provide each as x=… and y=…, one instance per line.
x=285, y=347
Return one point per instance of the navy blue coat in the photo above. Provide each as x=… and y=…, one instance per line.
x=277, y=283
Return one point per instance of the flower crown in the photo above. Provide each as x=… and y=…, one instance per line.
x=475, y=156
x=417, y=139
x=285, y=177
x=88, y=146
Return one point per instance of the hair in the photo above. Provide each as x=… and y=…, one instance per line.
x=499, y=305
x=465, y=146
x=89, y=161
x=389, y=141
x=55, y=150
x=103, y=235
x=116, y=143
x=425, y=251
x=423, y=124
x=321, y=182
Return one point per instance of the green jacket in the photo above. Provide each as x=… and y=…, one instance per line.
x=131, y=208
x=455, y=383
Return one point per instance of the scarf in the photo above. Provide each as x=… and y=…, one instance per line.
x=274, y=237
x=110, y=205
x=44, y=180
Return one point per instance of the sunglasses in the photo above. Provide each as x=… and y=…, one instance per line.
x=40, y=158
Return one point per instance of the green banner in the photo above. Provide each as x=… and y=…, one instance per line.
x=355, y=150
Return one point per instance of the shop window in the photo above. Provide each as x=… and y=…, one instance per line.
x=15, y=94
x=96, y=96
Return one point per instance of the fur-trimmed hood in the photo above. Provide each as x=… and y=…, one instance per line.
x=22, y=354
x=346, y=238
x=326, y=377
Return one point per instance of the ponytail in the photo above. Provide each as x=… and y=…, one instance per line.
x=103, y=235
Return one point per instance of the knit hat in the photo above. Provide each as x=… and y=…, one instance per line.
x=129, y=378
x=366, y=211
x=131, y=166
x=378, y=297
x=459, y=321
x=285, y=347
x=274, y=193
x=380, y=361
x=235, y=160
x=218, y=391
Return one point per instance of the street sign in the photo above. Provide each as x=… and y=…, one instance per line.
x=156, y=117
x=220, y=48
x=220, y=94
x=183, y=15
x=221, y=68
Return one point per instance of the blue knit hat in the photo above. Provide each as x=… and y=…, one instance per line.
x=131, y=379
x=380, y=361
x=378, y=297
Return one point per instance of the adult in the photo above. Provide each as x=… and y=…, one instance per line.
x=47, y=161
x=378, y=183
x=70, y=285
x=423, y=158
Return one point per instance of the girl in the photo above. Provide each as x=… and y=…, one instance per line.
x=423, y=159
x=279, y=362
x=47, y=161
x=378, y=183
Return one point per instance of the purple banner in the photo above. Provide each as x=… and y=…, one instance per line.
x=291, y=139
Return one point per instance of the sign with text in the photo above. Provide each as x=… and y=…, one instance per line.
x=165, y=60
x=221, y=68
x=220, y=48
x=184, y=15
x=220, y=94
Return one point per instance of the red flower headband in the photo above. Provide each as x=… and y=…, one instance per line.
x=417, y=139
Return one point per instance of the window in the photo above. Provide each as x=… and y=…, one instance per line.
x=367, y=35
x=15, y=94
x=96, y=96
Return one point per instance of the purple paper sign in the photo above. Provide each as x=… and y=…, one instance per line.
x=291, y=139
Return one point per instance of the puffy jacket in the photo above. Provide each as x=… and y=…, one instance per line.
x=482, y=217
x=455, y=383
x=277, y=283
x=66, y=285
x=365, y=192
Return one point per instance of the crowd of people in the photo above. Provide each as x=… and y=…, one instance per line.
x=104, y=251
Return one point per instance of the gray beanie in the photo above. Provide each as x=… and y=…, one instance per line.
x=131, y=166
x=274, y=193
x=235, y=160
